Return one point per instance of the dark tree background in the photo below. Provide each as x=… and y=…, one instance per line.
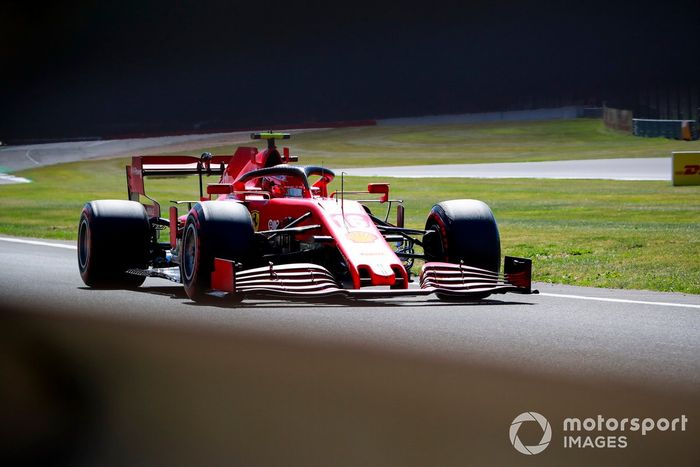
x=86, y=68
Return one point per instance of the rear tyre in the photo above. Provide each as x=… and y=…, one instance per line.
x=113, y=236
x=214, y=229
x=463, y=230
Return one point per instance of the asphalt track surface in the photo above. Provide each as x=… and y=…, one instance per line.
x=14, y=158
x=650, y=169
x=649, y=338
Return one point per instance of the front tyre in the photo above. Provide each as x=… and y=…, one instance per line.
x=214, y=229
x=113, y=236
x=463, y=230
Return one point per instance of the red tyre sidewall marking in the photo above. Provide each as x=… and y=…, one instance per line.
x=88, y=243
x=197, y=254
x=443, y=233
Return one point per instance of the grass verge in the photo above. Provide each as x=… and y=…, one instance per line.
x=471, y=143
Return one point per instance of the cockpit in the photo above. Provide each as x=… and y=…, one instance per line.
x=286, y=181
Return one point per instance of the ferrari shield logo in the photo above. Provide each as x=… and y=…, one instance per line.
x=255, y=215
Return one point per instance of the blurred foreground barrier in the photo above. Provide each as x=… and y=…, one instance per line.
x=673, y=129
x=79, y=390
x=686, y=168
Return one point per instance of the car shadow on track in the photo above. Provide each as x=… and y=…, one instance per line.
x=178, y=293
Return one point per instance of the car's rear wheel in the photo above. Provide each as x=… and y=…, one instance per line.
x=463, y=230
x=113, y=237
x=214, y=229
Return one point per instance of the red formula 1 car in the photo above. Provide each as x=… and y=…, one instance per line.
x=270, y=228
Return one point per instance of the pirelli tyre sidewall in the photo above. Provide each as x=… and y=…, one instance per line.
x=113, y=236
x=214, y=229
x=466, y=231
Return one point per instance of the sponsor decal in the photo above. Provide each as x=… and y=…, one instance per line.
x=686, y=168
x=255, y=215
x=361, y=236
x=690, y=170
x=354, y=221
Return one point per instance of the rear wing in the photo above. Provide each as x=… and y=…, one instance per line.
x=244, y=159
x=169, y=166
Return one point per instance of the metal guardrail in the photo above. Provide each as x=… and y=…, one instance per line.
x=673, y=129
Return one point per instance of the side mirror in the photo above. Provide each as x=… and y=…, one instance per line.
x=379, y=188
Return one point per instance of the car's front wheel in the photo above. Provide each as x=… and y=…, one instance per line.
x=463, y=230
x=214, y=229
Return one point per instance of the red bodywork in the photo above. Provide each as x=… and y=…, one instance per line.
x=280, y=196
x=363, y=247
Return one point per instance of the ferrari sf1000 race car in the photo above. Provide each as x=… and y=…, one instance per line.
x=271, y=228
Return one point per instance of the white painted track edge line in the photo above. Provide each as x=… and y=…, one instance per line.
x=37, y=242
x=619, y=300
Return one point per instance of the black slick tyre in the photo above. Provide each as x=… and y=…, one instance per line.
x=214, y=229
x=463, y=230
x=113, y=236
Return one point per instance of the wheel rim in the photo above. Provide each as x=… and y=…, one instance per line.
x=83, y=244
x=438, y=245
x=189, y=252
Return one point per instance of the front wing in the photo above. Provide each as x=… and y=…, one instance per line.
x=311, y=280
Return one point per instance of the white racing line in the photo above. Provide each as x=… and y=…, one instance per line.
x=37, y=242
x=28, y=156
x=619, y=300
x=546, y=294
